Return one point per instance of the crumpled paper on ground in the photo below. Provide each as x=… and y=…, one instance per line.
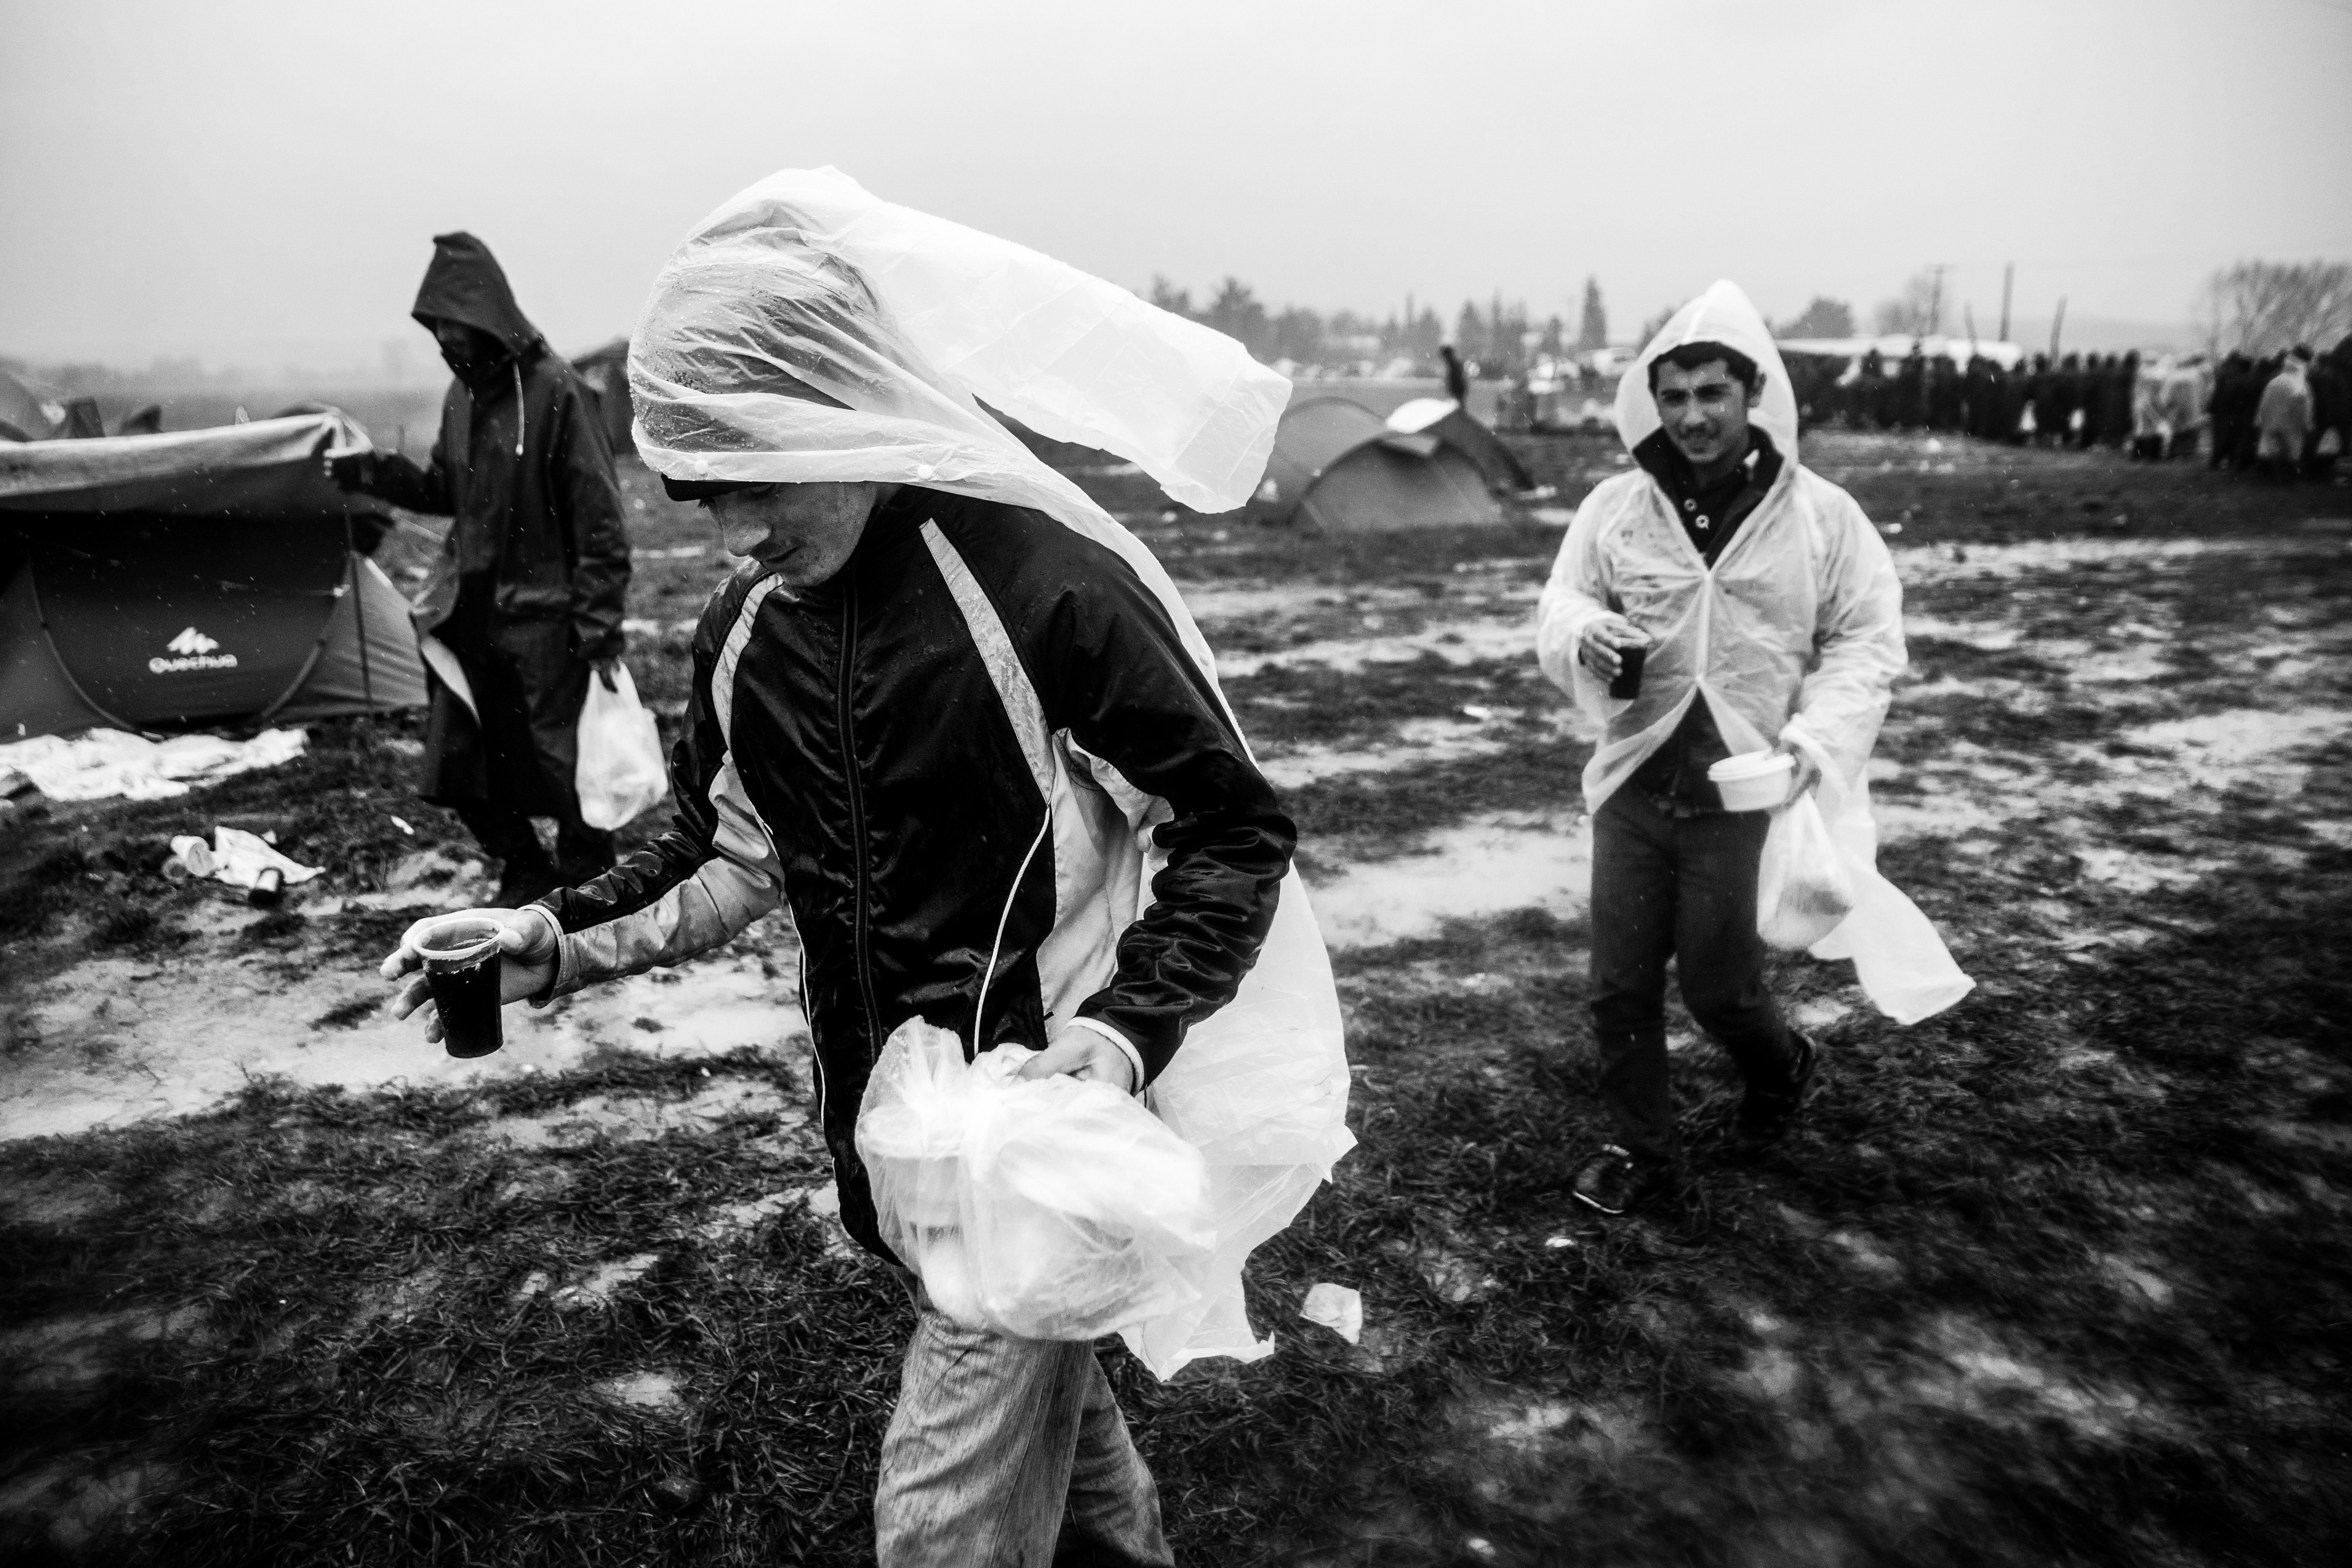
x=99, y=765
x=237, y=858
x=1338, y=1309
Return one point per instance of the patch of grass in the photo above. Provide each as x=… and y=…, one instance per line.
x=349, y=1015
x=123, y=924
x=278, y=928
x=1369, y=816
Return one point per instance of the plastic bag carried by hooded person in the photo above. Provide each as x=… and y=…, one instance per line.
x=806, y=331
x=1806, y=556
x=620, y=771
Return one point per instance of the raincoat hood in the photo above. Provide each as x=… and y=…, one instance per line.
x=1721, y=315
x=464, y=283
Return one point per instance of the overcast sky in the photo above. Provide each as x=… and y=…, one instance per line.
x=240, y=179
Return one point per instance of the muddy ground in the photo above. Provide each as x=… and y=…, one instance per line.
x=2059, y=1276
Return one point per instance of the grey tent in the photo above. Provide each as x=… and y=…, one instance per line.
x=607, y=372
x=1453, y=425
x=202, y=576
x=1337, y=467
x=23, y=414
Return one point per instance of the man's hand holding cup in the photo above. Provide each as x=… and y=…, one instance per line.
x=1605, y=646
x=525, y=947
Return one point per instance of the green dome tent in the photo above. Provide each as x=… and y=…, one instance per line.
x=196, y=577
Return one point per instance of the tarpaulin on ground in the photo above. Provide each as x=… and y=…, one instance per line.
x=102, y=763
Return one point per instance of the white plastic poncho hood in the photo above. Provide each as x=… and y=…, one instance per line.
x=807, y=331
x=1795, y=633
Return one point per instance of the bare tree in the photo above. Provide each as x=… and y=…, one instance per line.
x=1169, y=296
x=1592, y=328
x=1914, y=312
x=2263, y=307
x=1824, y=318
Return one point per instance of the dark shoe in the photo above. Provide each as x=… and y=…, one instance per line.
x=1617, y=1179
x=1766, y=1113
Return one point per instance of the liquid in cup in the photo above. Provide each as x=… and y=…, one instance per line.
x=461, y=970
x=1628, y=683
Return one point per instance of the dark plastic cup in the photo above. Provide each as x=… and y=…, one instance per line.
x=1629, y=670
x=461, y=970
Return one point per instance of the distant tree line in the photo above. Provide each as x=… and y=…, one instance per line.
x=1499, y=338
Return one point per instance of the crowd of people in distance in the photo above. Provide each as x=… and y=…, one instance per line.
x=2287, y=415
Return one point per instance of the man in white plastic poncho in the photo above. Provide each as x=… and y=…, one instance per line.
x=1766, y=613
x=958, y=721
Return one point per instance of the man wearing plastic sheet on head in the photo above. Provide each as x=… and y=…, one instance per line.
x=1768, y=617
x=958, y=721
x=529, y=590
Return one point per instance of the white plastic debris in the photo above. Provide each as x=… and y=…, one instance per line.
x=237, y=858
x=1337, y=1308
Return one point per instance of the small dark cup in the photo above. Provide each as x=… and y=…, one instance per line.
x=1629, y=670
x=461, y=970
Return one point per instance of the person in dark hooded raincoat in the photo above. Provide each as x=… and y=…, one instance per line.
x=529, y=590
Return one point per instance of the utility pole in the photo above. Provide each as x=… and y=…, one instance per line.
x=2008, y=277
x=2057, y=322
x=1936, y=298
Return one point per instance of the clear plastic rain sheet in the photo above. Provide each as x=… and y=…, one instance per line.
x=1807, y=558
x=807, y=331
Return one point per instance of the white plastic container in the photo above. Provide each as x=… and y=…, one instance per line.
x=1753, y=781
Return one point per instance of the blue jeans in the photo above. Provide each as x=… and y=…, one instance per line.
x=1683, y=887
x=1007, y=1453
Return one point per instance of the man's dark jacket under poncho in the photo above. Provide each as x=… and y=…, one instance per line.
x=850, y=753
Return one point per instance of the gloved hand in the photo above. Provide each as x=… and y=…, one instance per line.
x=351, y=470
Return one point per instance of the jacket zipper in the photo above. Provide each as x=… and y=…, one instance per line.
x=856, y=815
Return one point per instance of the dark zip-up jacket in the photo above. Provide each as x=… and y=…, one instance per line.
x=878, y=754
x=530, y=587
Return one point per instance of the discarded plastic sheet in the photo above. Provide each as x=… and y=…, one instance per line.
x=100, y=764
x=1338, y=1309
x=237, y=858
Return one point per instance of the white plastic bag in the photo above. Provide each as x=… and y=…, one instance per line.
x=1902, y=964
x=1803, y=890
x=1044, y=1209
x=620, y=771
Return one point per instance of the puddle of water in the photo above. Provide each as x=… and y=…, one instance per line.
x=1986, y=636
x=1928, y=564
x=1414, y=742
x=1486, y=866
x=645, y=1390
x=121, y=1042
x=1457, y=642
